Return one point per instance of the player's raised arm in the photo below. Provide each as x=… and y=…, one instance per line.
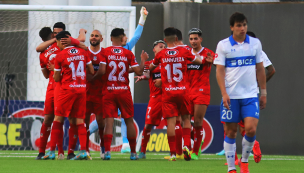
x=82, y=35
x=44, y=45
x=139, y=69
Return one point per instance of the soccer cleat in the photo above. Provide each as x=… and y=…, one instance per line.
x=107, y=155
x=221, y=153
x=49, y=156
x=142, y=155
x=133, y=156
x=102, y=152
x=82, y=155
x=243, y=167
x=257, y=154
x=232, y=171
x=194, y=156
x=200, y=149
x=125, y=148
x=71, y=156
x=186, y=152
x=177, y=157
x=172, y=158
x=40, y=155
x=60, y=157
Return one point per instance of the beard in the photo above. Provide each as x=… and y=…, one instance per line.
x=95, y=44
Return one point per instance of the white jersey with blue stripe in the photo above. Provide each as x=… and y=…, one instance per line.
x=240, y=61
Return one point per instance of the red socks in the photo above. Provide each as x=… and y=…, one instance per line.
x=172, y=145
x=56, y=134
x=44, y=135
x=236, y=157
x=198, y=136
x=82, y=135
x=179, y=138
x=132, y=142
x=101, y=129
x=107, y=142
x=72, y=138
x=145, y=139
x=187, y=137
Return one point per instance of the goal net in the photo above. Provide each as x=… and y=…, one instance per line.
x=22, y=85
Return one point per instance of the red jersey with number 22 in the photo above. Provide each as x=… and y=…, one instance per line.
x=174, y=69
x=118, y=60
x=72, y=62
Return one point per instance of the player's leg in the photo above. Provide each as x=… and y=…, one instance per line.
x=145, y=139
x=101, y=125
x=171, y=122
x=184, y=107
x=179, y=138
x=108, y=135
x=87, y=123
x=125, y=143
x=73, y=137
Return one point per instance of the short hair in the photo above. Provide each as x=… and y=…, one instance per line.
x=195, y=31
x=158, y=41
x=116, y=32
x=45, y=33
x=237, y=17
x=59, y=25
x=170, y=32
x=179, y=35
x=251, y=34
x=63, y=34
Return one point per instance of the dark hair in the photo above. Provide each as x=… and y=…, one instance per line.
x=237, y=17
x=251, y=34
x=195, y=31
x=158, y=41
x=179, y=35
x=116, y=32
x=59, y=25
x=63, y=34
x=45, y=33
x=170, y=31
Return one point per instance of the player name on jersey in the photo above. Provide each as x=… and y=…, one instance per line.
x=76, y=58
x=117, y=58
x=175, y=59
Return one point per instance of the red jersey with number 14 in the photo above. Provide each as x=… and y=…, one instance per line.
x=72, y=62
x=155, y=74
x=174, y=69
x=118, y=60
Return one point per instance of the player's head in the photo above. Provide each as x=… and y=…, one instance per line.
x=170, y=35
x=117, y=36
x=238, y=24
x=58, y=27
x=179, y=35
x=195, y=37
x=59, y=36
x=251, y=34
x=95, y=38
x=124, y=40
x=158, y=46
x=45, y=33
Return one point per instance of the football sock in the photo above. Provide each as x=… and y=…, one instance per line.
x=93, y=127
x=55, y=134
x=60, y=141
x=236, y=157
x=192, y=133
x=172, y=145
x=230, y=147
x=82, y=135
x=107, y=142
x=132, y=142
x=44, y=135
x=186, y=136
x=101, y=129
x=247, y=144
x=198, y=136
x=72, y=138
x=179, y=138
x=88, y=140
x=145, y=139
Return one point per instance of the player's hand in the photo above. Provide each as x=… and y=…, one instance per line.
x=139, y=78
x=209, y=58
x=144, y=56
x=66, y=41
x=157, y=83
x=226, y=101
x=82, y=30
x=263, y=101
x=144, y=12
x=50, y=66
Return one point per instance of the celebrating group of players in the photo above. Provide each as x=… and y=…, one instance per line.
x=95, y=80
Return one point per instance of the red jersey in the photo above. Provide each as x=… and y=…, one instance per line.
x=198, y=75
x=118, y=60
x=185, y=46
x=72, y=62
x=174, y=69
x=95, y=87
x=155, y=74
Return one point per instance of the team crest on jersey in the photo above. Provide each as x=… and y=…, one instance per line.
x=95, y=58
x=117, y=51
x=172, y=52
x=73, y=51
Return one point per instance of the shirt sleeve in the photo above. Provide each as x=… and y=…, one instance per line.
x=133, y=60
x=258, y=56
x=189, y=56
x=156, y=60
x=266, y=61
x=220, y=58
x=58, y=61
x=147, y=64
x=103, y=58
x=135, y=38
x=42, y=61
x=87, y=58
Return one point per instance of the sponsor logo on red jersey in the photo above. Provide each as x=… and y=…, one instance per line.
x=172, y=52
x=73, y=51
x=116, y=51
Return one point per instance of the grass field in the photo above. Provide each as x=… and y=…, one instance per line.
x=24, y=161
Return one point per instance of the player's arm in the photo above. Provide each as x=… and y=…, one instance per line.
x=45, y=73
x=90, y=67
x=145, y=76
x=270, y=72
x=44, y=45
x=57, y=68
x=197, y=60
x=139, y=69
x=158, y=83
x=82, y=35
x=261, y=77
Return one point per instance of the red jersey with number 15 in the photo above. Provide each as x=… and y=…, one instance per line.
x=155, y=74
x=72, y=62
x=174, y=69
x=118, y=60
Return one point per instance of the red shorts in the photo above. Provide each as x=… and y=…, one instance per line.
x=201, y=99
x=49, y=102
x=94, y=107
x=114, y=100
x=71, y=104
x=173, y=105
x=154, y=110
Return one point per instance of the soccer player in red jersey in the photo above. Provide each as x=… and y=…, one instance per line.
x=70, y=69
x=114, y=65
x=173, y=62
x=154, y=110
x=199, y=90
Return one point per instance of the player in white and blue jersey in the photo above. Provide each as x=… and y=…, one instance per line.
x=239, y=67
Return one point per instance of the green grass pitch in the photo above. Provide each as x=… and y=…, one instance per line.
x=24, y=162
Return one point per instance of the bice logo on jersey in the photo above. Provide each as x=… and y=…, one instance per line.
x=73, y=51
x=172, y=52
x=117, y=51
